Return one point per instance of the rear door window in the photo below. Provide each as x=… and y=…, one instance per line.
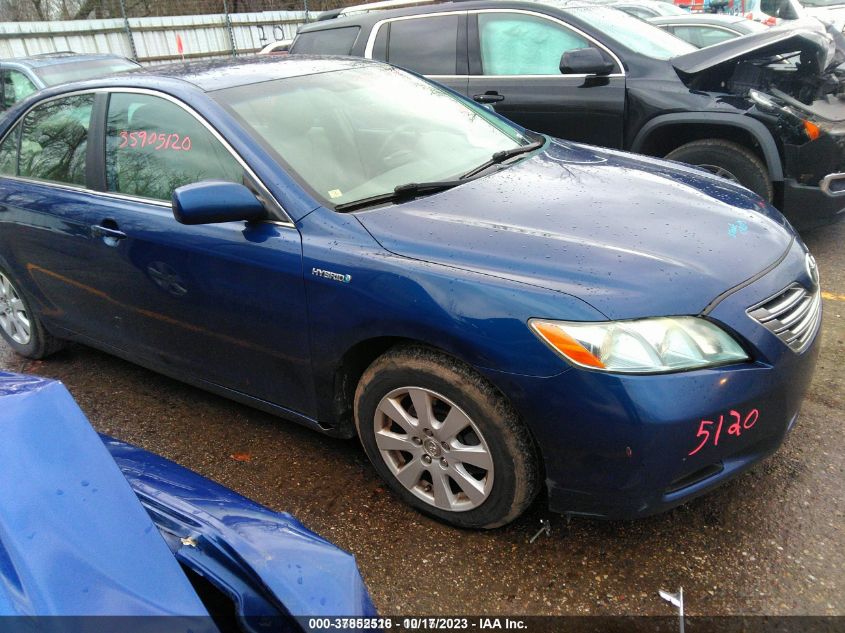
x=427, y=45
x=54, y=140
x=9, y=152
x=326, y=42
x=154, y=146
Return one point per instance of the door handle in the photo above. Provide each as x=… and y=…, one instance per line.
x=111, y=236
x=488, y=97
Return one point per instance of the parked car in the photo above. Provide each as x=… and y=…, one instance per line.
x=22, y=76
x=772, y=12
x=705, y=29
x=593, y=74
x=92, y=526
x=280, y=47
x=359, y=250
x=828, y=11
x=643, y=9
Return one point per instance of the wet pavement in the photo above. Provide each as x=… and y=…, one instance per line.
x=770, y=542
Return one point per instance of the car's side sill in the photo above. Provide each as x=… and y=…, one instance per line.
x=225, y=392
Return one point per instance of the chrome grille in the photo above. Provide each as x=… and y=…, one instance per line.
x=793, y=315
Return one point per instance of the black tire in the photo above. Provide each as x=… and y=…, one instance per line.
x=513, y=481
x=41, y=343
x=739, y=161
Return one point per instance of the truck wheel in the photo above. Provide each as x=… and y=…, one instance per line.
x=444, y=439
x=20, y=326
x=728, y=160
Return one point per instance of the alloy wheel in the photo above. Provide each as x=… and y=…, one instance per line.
x=14, y=319
x=434, y=449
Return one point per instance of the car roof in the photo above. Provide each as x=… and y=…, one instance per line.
x=370, y=18
x=218, y=74
x=53, y=59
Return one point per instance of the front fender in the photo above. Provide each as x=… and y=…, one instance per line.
x=357, y=291
x=755, y=128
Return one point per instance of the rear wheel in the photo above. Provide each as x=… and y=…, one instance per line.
x=20, y=326
x=444, y=440
x=728, y=160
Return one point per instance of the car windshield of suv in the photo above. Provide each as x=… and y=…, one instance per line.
x=78, y=71
x=632, y=33
x=356, y=133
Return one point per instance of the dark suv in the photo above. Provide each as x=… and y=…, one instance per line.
x=762, y=110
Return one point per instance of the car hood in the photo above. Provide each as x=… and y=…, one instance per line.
x=632, y=236
x=777, y=41
x=78, y=533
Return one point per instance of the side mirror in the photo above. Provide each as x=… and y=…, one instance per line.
x=585, y=61
x=213, y=201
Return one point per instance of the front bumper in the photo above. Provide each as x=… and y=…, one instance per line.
x=811, y=194
x=626, y=446
x=808, y=207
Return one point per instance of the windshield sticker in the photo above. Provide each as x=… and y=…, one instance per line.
x=159, y=141
x=335, y=193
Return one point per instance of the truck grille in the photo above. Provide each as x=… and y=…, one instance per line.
x=793, y=315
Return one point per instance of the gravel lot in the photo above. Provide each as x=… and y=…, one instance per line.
x=770, y=542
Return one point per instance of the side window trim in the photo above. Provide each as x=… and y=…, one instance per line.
x=263, y=193
x=461, y=61
x=475, y=44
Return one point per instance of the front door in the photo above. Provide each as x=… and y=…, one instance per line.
x=224, y=303
x=514, y=60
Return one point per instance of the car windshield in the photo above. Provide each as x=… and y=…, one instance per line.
x=632, y=33
x=78, y=71
x=360, y=132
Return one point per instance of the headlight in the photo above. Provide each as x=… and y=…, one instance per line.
x=646, y=346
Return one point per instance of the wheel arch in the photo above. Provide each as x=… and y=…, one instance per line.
x=667, y=132
x=339, y=393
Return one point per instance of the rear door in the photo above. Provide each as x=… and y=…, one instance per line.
x=434, y=45
x=45, y=213
x=514, y=62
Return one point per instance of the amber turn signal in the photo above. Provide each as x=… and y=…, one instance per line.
x=566, y=345
x=812, y=130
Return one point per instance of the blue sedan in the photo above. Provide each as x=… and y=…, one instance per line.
x=492, y=312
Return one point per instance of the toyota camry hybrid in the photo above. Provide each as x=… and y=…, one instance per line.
x=492, y=312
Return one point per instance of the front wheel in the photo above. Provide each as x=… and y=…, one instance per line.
x=728, y=160
x=444, y=440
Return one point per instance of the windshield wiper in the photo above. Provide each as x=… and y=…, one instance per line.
x=505, y=154
x=411, y=190
x=401, y=193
